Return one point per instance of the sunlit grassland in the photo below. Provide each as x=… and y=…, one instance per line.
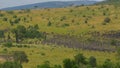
x=74, y=16
x=38, y=54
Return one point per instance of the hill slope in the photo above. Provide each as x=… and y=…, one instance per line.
x=111, y=2
x=89, y=27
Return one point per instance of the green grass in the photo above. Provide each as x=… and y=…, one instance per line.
x=93, y=14
x=38, y=54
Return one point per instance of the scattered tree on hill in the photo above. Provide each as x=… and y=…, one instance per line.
x=19, y=33
x=11, y=65
x=8, y=44
x=67, y=63
x=92, y=61
x=45, y=65
x=32, y=32
x=20, y=56
x=80, y=59
x=108, y=64
x=5, y=19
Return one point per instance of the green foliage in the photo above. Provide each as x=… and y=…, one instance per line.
x=111, y=2
x=57, y=66
x=11, y=65
x=1, y=34
x=65, y=25
x=79, y=58
x=92, y=61
x=67, y=63
x=19, y=32
x=32, y=32
x=63, y=18
x=20, y=56
x=5, y=19
x=14, y=16
x=108, y=64
x=117, y=65
x=118, y=53
x=45, y=65
x=8, y=44
x=1, y=15
x=49, y=23
x=22, y=32
x=113, y=42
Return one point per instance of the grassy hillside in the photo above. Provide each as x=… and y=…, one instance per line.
x=87, y=23
x=73, y=20
x=111, y=2
x=93, y=28
x=38, y=54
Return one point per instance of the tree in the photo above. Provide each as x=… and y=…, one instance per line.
x=45, y=65
x=108, y=64
x=20, y=56
x=67, y=63
x=80, y=59
x=11, y=65
x=19, y=32
x=32, y=32
x=8, y=44
x=92, y=61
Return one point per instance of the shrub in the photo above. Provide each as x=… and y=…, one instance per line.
x=86, y=21
x=49, y=23
x=8, y=44
x=5, y=19
x=113, y=42
x=107, y=20
x=1, y=34
x=45, y=65
x=92, y=61
x=67, y=63
x=20, y=56
x=14, y=16
x=80, y=59
x=1, y=15
x=65, y=25
x=108, y=64
x=11, y=65
x=43, y=54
